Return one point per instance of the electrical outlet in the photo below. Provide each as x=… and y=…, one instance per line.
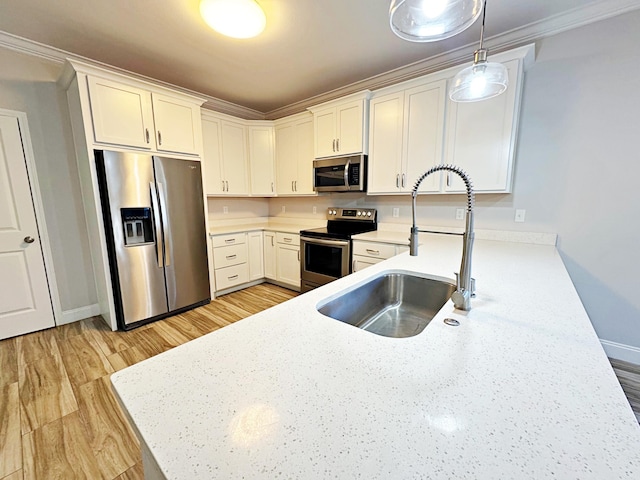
x=520, y=216
x=225, y=209
x=284, y=209
x=315, y=210
x=459, y=213
x=396, y=212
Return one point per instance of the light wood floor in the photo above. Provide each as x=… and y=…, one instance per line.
x=58, y=417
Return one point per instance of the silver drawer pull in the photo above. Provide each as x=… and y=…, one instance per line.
x=287, y=239
x=373, y=252
x=229, y=257
x=232, y=277
x=230, y=240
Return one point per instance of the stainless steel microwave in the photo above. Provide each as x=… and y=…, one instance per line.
x=342, y=174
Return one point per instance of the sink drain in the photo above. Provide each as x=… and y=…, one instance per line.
x=452, y=322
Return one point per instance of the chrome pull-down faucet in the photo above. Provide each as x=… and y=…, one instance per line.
x=465, y=285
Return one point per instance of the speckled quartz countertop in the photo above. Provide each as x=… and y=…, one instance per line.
x=270, y=225
x=520, y=390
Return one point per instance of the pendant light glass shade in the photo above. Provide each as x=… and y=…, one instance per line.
x=482, y=80
x=234, y=18
x=432, y=20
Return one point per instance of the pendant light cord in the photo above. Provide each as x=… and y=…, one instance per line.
x=484, y=15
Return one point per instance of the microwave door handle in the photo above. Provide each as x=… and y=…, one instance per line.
x=346, y=174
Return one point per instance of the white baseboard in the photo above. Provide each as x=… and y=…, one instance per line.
x=70, y=316
x=620, y=351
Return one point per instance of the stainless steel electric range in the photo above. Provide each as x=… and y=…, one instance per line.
x=326, y=252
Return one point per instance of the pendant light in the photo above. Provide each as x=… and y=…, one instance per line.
x=432, y=20
x=483, y=79
x=234, y=18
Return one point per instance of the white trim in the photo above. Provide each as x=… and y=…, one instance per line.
x=620, y=351
x=73, y=315
x=38, y=208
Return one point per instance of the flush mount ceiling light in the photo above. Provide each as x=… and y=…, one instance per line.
x=432, y=20
x=483, y=79
x=234, y=18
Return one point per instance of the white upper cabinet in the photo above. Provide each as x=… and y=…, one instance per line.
x=340, y=126
x=406, y=135
x=262, y=160
x=225, y=156
x=294, y=155
x=481, y=138
x=130, y=116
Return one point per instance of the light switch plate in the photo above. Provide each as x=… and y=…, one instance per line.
x=459, y=213
x=396, y=212
x=225, y=209
x=520, y=214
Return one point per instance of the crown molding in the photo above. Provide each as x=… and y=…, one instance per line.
x=518, y=37
x=578, y=17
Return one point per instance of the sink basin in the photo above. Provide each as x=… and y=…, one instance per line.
x=393, y=304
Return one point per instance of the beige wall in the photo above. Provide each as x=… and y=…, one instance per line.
x=28, y=85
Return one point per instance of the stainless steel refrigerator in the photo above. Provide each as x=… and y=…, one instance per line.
x=153, y=209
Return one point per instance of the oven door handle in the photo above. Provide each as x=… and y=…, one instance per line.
x=319, y=241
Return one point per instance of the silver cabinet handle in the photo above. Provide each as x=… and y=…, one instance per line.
x=334, y=144
x=272, y=242
x=398, y=181
x=373, y=252
x=292, y=186
x=295, y=184
x=403, y=178
x=271, y=187
x=287, y=239
x=338, y=144
x=230, y=257
x=232, y=277
x=159, y=138
x=223, y=189
x=448, y=179
x=29, y=239
x=230, y=240
x=146, y=134
x=227, y=184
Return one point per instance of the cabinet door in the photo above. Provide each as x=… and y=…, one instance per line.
x=423, y=134
x=481, y=138
x=256, y=256
x=121, y=114
x=212, y=157
x=304, y=140
x=234, y=158
x=288, y=264
x=176, y=125
x=325, y=133
x=286, y=163
x=270, y=255
x=262, y=160
x=385, y=143
x=360, y=263
x=350, y=134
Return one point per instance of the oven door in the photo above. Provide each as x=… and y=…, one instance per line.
x=323, y=260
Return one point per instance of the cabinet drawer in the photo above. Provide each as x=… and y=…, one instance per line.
x=231, y=255
x=375, y=250
x=226, y=240
x=288, y=238
x=231, y=276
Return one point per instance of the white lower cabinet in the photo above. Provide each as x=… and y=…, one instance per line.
x=288, y=258
x=256, y=256
x=366, y=254
x=230, y=260
x=270, y=260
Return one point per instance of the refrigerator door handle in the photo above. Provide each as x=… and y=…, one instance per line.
x=156, y=221
x=165, y=225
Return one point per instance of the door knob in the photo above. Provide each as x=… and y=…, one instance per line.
x=29, y=239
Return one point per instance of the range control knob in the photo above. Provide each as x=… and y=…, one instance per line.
x=359, y=213
x=368, y=214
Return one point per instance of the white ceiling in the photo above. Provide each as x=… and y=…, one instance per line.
x=309, y=46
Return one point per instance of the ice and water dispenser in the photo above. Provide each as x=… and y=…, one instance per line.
x=138, y=226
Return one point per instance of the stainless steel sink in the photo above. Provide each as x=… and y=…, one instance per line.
x=393, y=304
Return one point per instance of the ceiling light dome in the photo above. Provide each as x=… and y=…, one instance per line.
x=234, y=18
x=432, y=20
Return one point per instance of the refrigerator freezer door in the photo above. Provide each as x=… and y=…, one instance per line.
x=182, y=205
x=138, y=276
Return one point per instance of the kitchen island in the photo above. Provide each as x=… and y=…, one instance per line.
x=520, y=389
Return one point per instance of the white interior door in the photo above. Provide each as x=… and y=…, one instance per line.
x=25, y=305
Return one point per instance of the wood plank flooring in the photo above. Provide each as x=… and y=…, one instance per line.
x=58, y=417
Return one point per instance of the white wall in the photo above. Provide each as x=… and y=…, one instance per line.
x=577, y=171
x=27, y=84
